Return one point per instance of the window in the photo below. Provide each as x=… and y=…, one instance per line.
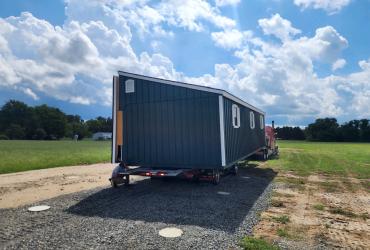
x=251, y=120
x=130, y=86
x=236, y=116
x=262, y=122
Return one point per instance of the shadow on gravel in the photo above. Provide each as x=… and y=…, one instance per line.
x=181, y=202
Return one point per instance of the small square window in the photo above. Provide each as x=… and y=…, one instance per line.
x=235, y=116
x=130, y=86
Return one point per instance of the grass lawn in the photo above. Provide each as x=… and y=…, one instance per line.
x=346, y=159
x=18, y=156
x=304, y=158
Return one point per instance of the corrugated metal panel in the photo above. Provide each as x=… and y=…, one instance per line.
x=169, y=126
x=242, y=141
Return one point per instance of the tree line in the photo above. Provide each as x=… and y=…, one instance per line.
x=328, y=129
x=20, y=121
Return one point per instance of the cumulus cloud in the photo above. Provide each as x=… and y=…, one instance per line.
x=325, y=46
x=281, y=77
x=75, y=62
x=338, y=64
x=278, y=26
x=192, y=14
x=230, y=39
x=330, y=6
x=71, y=63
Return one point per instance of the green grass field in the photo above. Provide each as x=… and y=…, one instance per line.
x=345, y=159
x=18, y=156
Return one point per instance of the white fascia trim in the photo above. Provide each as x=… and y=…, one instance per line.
x=193, y=86
x=115, y=84
x=222, y=129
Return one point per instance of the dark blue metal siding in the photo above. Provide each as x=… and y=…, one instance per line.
x=242, y=141
x=166, y=126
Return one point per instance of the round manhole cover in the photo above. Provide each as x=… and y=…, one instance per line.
x=38, y=208
x=170, y=232
x=223, y=193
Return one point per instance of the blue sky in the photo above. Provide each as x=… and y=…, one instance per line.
x=296, y=59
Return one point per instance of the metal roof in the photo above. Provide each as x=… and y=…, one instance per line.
x=193, y=86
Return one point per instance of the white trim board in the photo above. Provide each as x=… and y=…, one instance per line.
x=222, y=129
x=193, y=86
x=115, y=84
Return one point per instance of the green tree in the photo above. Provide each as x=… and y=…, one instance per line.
x=365, y=130
x=15, y=132
x=39, y=134
x=350, y=131
x=100, y=124
x=16, y=112
x=290, y=133
x=325, y=129
x=76, y=126
x=52, y=120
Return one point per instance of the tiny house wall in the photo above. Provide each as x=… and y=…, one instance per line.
x=168, y=126
x=242, y=140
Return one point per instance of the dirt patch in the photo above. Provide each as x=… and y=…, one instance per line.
x=317, y=210
x=31, y=186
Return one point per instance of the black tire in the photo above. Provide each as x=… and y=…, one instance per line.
x=126, y=180
x=114, y=184
x=216, y=177
x=264, y=155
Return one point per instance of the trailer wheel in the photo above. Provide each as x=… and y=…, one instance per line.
x=126, y=180
x=216, y=177
x=113, y=183
x=265, y=155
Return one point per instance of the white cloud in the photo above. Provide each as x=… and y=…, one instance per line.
x=330, y=6
x=365, y=65
x=221, y=3
x=191, y=14
x=71, y=63
x=75, y=62
x=80, y=100
x=281, y=79
x=29, y=92
x=278, y=26
x=230, y=39
x=326, y=45
x=338, y=64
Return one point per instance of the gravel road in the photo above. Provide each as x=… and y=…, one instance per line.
x=130, y=217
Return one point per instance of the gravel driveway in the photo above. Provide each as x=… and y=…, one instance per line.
x=130, y=217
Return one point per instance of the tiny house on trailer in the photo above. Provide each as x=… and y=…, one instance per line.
x=168, y=128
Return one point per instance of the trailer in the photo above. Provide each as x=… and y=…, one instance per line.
x=166, y=128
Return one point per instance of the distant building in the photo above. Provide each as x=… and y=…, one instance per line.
x=102, y=136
